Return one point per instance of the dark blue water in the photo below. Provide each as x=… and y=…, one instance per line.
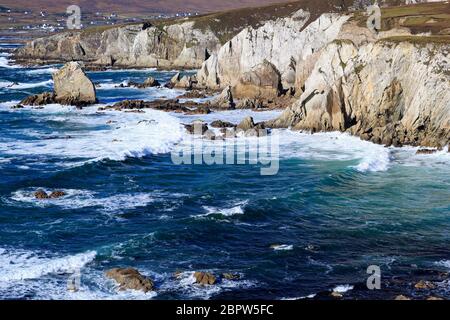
x=336, y=206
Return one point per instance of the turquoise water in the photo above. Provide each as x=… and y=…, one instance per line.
x=336, y=206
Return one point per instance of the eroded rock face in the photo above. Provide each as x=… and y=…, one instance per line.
x=72, y=86
x=130, y=279
x=262, y=81
x=388, y=92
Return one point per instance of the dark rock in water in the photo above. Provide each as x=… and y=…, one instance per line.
x=129, y=278
x=57, y=194
x=39, y=99
x=231, y=276
x=147, y=25
x=41, y=194
x=222, y=124
x=193, y=94
x=162, y=105
x=197, y=127
x=150, y=82
x=17, y=106
x=204, y=278
x=426, y=151
x=425, y=285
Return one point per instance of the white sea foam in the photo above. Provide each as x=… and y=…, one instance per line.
x=122, y=135
x=443, y=263
x=283, y=247
x=236, y=209
x=187, y=286
x=16, y=265
x=48, y=70
x=5, y=63
x=18, y=86
x=343, y=288
x=76, y=199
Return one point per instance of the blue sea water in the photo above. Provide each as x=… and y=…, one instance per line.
x=336, y=206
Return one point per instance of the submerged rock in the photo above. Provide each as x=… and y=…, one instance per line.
x=39, y=99
x=57, y=194
x=222, y=124
x=426, y=151
x=204, y=278
x=231, y=276
x=162, y=105
x=425, y=285
x=130, y=279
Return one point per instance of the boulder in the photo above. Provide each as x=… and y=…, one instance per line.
x=224, y=100
x=173, y=81
x=150, y=82
x=57, y=194
x=41, y=194
x=204, y=278
x=130, y=279
x=72, y=86
x=262, y=81
x=250, y=104
x=246, y=124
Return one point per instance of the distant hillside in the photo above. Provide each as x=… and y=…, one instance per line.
x=135, y=6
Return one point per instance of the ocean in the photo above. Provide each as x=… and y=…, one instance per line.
x=335, y=206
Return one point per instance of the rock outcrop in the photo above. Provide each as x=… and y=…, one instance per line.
x=130, y=279
x=72, y=86
x=389, y=92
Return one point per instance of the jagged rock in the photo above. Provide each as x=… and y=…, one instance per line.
x=129, y=278
x=246, y=124
x=401, y=297
x=224, y=100
x=204, y=278
x=149, y=83
x=262, y=81
x=425, y=285
x=41, y=194
x=39, y=99
x=72, y=86
x=249, y=104
x=57, y=194
x=197, y=127
x=222, y=124
x=173, y=81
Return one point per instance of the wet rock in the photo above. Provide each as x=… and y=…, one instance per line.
x=150, y=82
x=130, y=278
x=425, y=285
x=222, y=124
x=17, y=106
x=173, y=81
x=41, y=194
x=39, y=99
x=193, y=94
x=426, y=151
x=231, y=276
x=57, y=194
x=162, y=105
x=402, y=297
x=204, y=278
x=197, y=127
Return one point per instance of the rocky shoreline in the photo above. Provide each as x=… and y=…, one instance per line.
x=328, y=71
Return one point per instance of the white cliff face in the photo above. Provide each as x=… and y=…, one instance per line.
x=388, y=92
x=281, y=42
